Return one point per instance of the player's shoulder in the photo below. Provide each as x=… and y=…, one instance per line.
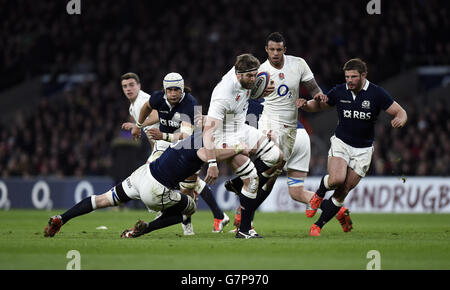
x=226, y=86
x=156, y=97
x=379, y=91
x=295, y=60
x=157, y=94
x=265, y=66
x=189, y=98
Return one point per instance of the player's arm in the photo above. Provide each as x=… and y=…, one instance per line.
x=211, y=125
x=145, y=111
x=312, y=105
x=152, y=119
x=186, y=129
x=399, y=114
x=314, y=90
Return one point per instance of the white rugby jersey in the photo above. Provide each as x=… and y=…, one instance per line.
x=279, y=106
x=229, y=102
x=136, y=106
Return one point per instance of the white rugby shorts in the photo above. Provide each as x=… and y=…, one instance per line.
x=357, y=159
x=301, y=153
x=246, y=134
x=285, y=135
x=142, y=185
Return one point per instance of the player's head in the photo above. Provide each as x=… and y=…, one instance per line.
x=173, y=84
x=131, y=85
x=246, y=68
x=355, y=71
x=275, y=48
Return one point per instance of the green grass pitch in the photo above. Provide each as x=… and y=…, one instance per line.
x=404, y=241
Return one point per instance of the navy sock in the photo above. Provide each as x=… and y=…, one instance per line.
x=208, y=197
x=260, y=198
x=248, y=207
x=322, y=189
x=164, y=221
x=188, y=220
x=81, y=208
x=329, y=210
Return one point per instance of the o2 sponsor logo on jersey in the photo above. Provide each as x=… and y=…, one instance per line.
x=357, y=115
x=283, y=90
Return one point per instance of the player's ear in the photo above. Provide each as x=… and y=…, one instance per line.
x=364, y=75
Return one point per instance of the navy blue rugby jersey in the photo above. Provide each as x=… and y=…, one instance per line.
x=170, y=118
x=178, y=162
x=254, y=111
x=357, y=117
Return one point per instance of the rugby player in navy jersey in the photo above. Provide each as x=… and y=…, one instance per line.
x=156, y=185
x=358, y=103
x=176, y=108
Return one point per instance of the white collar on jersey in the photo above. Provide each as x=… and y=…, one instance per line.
x=168, y=104
x=365, y=87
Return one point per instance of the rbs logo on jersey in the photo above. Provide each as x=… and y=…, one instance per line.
x=357, y=115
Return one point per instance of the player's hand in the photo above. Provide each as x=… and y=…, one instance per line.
x=154, y=134
x=270, y=88
x=212, y=174
x=128, y=126
x=320, y=97
x=301, y=103
x=136, y=133
x=397, y=122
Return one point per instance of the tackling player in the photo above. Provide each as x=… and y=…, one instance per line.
x=176, y=107
x=358, y=103
x=155, y=184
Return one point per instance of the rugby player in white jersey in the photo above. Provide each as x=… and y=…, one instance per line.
x=279, y=119
x=226, y=128
x=131, y=86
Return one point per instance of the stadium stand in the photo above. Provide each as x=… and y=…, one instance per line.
x=71, y=130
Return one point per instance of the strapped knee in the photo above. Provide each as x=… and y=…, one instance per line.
x=190, y=208
x=117, y=195
x=248, y=171
x=269, y=153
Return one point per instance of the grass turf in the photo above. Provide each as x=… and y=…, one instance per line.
x=404, y=241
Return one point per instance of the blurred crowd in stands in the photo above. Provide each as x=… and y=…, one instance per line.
x=72, y=134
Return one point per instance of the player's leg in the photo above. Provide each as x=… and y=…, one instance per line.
x=330, y=207
x=338, y=160
x=187, y=187
x=296, y=180
x=270, y=155
x=174, y=214
x=220, y=218
x=113, y=197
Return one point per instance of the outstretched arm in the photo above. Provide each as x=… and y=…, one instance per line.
x=399, y=114
x=211, y=125
x=312, y=105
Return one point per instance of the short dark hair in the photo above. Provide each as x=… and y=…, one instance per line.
x=275, y=37
x=246, y=62
x=130, y=75
x=355, y=64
